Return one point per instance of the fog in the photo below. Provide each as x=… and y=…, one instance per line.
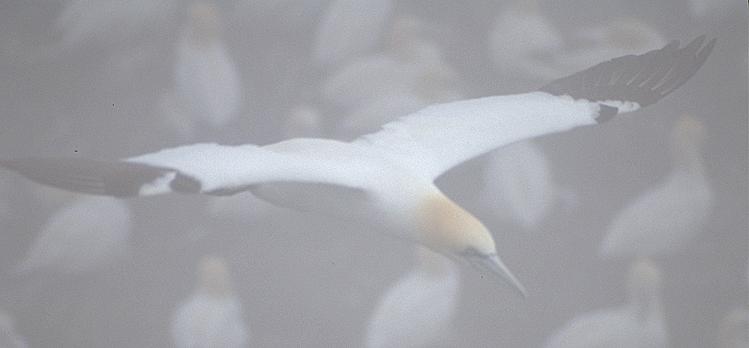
x=104, y=79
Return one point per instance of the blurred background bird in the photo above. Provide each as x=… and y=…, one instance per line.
x=522, y=42
x=92, y=78
x=207, y=85
x=417, y=311
x=670, y=215
x=349, y=29
x=408, y=56
x=212, y=316
x=87, y=234
x=519, y=186
x=638, y=324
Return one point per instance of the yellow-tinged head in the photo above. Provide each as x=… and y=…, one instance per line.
x=213, y=276
x=450, y=230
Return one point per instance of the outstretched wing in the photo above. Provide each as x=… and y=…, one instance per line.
x=439, y=137
x=199, y=168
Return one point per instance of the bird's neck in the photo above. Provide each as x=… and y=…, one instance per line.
x=443, y=224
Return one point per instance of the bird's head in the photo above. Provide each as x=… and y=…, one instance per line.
x=449, y=229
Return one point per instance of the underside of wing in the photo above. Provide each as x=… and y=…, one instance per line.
x=199, y=168
x=439, y=137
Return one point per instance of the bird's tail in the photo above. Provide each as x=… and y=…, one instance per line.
x=632, y=82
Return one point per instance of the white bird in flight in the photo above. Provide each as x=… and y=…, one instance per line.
x=670, y=215
x=387, y=177
x=638, y=324
x=212, y=316
x=418, y=309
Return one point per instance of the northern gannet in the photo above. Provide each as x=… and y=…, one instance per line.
x=519, y=185
x=89, y=233
x=670, y=215
x=638, y=324
x=350, y=28
x=418, y=309
x=207, y=84
x=387, y=177
x=212, y=316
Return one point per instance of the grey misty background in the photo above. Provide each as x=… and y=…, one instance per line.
x=309, y=281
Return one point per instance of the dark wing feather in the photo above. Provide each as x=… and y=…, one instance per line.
x=643, y=79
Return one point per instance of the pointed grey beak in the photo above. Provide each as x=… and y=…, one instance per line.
x=492, y=264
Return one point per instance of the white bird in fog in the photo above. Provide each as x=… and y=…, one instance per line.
x=86, y=235
x=387, y=178
x=212, y=316
x=617, y=37
x=638, y=324
x=523, y=40
x=207, y=83
x=9, y=338
x=350, y=28
x=519, y=185
x=417, y=310
x=671, y=214
x=408, y=57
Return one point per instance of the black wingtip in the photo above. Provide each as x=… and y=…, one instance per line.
x=110, y=178
x=643, y=79
x=185, y=184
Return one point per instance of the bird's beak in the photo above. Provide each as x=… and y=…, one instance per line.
x=492, y=264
